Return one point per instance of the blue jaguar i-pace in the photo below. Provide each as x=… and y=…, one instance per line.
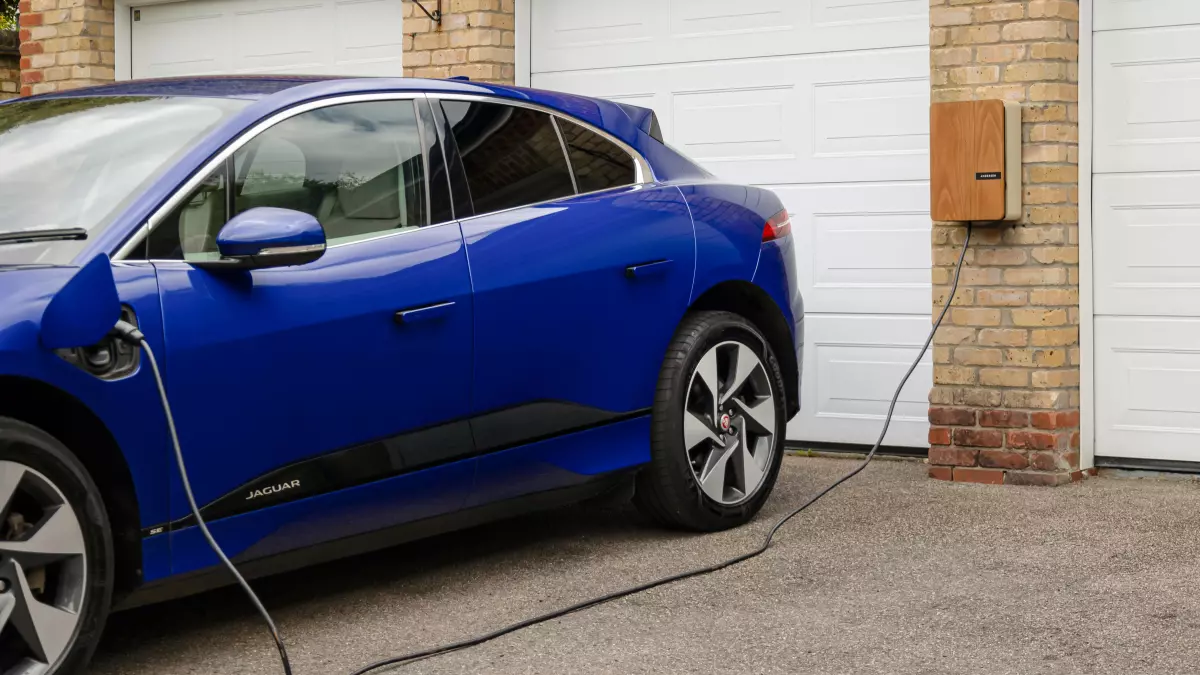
x=383, y=309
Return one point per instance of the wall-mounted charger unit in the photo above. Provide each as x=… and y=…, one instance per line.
x=975, y=161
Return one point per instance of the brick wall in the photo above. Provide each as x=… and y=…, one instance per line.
x=65, y=44
x=10, y=67
x=475, y=39
x=10, y=76
x=1005, y=403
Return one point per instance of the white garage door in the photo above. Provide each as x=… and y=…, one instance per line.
x=310, y=37
x=824, y=101
x=1146, y=229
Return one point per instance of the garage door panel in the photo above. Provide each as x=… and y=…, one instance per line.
x=793, y=119
x=852, y=365
x=188, y=40
x=861, y=248
x=1147, y=111
x=1148, y=388
x=210, y=37
x=1118, y=14
x=584, y=34
x=1146, y=235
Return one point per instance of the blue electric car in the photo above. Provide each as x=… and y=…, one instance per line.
x=383, y=309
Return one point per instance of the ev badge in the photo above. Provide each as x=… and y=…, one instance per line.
x=725, y=423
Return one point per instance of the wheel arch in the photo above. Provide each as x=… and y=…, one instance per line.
x=756, y=306
x=71, y=422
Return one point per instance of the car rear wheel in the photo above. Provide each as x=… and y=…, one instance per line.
x=718, y=426
x=56, y=556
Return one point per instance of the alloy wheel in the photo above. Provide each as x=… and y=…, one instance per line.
x=729, y=423
x=43, y=571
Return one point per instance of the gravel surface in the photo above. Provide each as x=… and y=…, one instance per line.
x=892, y=573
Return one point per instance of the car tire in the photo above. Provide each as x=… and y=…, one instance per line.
x=39, y=478
x=724, y=477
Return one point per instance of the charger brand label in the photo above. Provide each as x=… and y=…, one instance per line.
x=273, y=489
x=988, y=175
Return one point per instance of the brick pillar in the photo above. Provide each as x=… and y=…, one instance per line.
x=475, y=39
x=65, y=44
x=1005, y=402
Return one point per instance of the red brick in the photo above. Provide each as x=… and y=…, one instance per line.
x=1032, y=440
x=979, y=438
x=952, y=456
x=1075, y=441
x=1003, y=459
x=972, y=475
x=939, y=436
x=1056, y=420
x=1046, y=461
x=962, y=417
x=26, y=90
x=941, y=472
x=26, y=63
x=31, y=48
x=31, y=76
x=25, y=35
x=28, y=20
x=1037, y=479
x=1004, y=418
x=25, y=6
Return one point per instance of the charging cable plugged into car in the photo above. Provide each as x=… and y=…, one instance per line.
x=130, y=334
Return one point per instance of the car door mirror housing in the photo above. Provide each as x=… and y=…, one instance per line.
x=266, y=237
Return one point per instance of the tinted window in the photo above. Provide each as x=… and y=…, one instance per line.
x=358, y=168
x=598, y=163
x=512, y=155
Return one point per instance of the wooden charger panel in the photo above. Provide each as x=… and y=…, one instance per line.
x=967, y=161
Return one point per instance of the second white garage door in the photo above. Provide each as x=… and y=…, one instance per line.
x=824, y=101
x=1146, y=229
x=311, y=37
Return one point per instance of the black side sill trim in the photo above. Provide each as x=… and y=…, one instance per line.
x=412, y=451
x=215, y=577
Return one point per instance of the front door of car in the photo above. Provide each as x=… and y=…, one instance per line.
x=293, y=382
x=580, y=275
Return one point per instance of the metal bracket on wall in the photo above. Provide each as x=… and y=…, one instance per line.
x=436, y=16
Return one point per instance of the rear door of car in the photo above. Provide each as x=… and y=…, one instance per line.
x=309, y=398
x=581, y=268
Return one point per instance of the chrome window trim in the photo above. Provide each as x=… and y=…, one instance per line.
x=643, y=173
x=562, y=145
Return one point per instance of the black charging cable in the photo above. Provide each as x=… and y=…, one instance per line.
x=130, y=333
x=709, y=569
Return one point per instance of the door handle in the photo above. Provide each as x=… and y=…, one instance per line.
x=425, y=313
x=647, y=269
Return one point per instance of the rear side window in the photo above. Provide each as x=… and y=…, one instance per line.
x=512, y=155
x=599, y=164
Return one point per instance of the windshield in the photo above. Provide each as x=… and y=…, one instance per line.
x=77, y=162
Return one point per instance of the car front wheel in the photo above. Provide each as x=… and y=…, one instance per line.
x=718, y=426
x=55, y=556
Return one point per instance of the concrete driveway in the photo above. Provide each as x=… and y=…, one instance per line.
x=893, y=573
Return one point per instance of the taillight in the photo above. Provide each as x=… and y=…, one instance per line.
x=778, y=227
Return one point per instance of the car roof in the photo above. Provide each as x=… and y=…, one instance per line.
x=276, y=91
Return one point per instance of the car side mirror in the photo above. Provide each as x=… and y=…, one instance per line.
x=267, y=237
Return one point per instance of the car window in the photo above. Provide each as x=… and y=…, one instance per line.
x=358, y=168
x=512, y=155
x=598, y=163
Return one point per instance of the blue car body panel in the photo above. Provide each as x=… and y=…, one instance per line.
x=553, y=317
